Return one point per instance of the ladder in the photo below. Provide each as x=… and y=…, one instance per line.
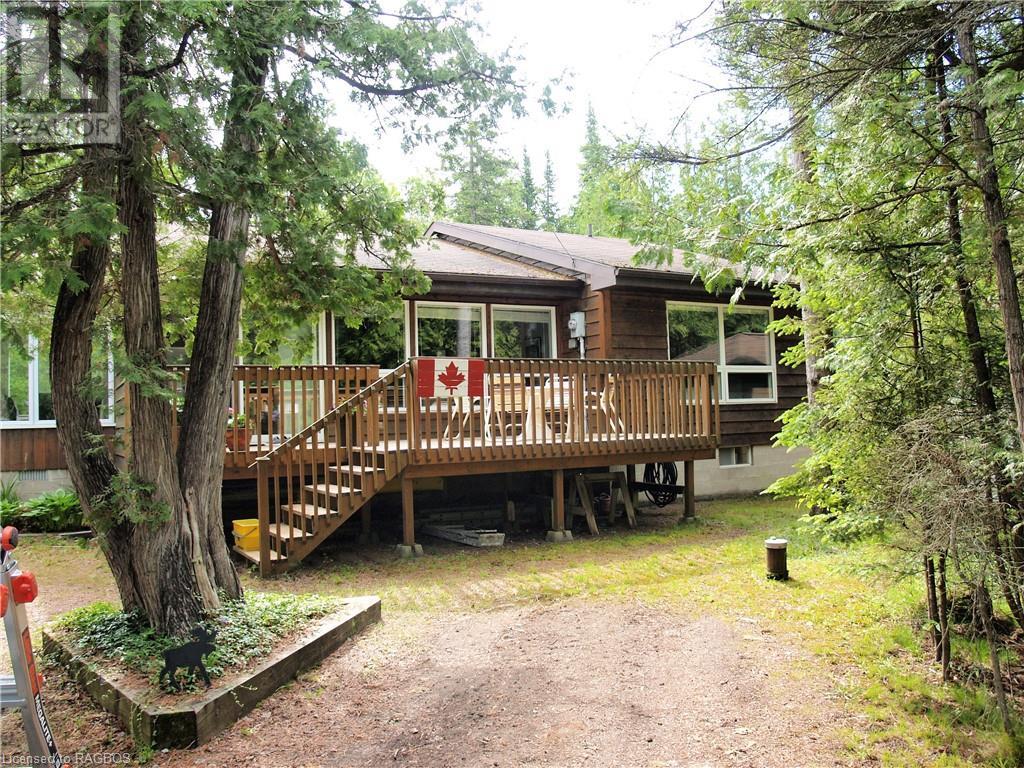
x=22, y=690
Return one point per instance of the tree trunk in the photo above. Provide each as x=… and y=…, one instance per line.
x=933, y=606
x=200, y=447
x=983, y=603
x=984, y=393
x=78, y=426
x=945, y=642
x=168, y=551
x=995, y=215
x=79, y=433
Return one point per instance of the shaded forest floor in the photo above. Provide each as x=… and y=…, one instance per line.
x=662, y=646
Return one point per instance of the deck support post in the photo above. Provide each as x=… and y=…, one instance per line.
x=408, y=547
x=558, y=532
x=689, y=506
x=634, y=496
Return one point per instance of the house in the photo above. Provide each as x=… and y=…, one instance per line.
x=564, y=356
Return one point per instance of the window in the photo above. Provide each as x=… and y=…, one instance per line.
x=372, y=342
x=523, y=331
x=736, y=339
x=449, y=330
x=26, y=397
x=738, y=456
x=14, y=387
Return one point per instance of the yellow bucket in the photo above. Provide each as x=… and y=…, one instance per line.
x=247, y=534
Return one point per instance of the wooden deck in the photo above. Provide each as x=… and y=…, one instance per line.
x=533, y=415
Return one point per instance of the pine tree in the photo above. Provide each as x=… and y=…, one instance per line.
x=595, y=154
x=487, y=189
x=548, y=205
x=530, y=214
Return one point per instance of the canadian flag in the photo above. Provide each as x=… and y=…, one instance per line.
x=449, y=377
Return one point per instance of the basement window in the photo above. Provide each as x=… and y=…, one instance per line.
x=736, y=456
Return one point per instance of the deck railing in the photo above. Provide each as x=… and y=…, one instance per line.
x=279, y=401
x=545, y=408
x=320, y=476
x=530, y=411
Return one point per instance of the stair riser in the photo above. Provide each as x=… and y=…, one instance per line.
x=353, y=480
x=340, y=505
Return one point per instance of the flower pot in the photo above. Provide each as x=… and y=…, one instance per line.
x=238, y=439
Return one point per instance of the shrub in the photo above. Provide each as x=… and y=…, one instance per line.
x=52, y=512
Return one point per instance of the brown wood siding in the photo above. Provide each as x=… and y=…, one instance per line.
x=33, y=448
x=639, y=326
x=598, y=312
x=640, y=332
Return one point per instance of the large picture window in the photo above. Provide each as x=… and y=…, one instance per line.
x=449, y=330
x=373, y=342
x=523, y=331
x=735, y=339
x=26, y=397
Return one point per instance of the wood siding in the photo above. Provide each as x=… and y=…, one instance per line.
x=33, y=448
x=639, y=331
x=598, y=309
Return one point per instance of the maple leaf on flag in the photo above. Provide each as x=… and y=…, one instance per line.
x=451, y=378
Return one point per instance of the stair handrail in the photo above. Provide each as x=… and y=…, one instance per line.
x=343, y=407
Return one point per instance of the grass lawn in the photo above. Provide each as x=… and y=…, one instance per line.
x=857, y=624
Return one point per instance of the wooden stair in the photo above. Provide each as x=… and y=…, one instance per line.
x=311, y=484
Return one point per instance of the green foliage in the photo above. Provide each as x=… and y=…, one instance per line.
x=236, y=420
x=52, y=512
x=380, y=342
x=128, y=499
x=548, y=203
x=9, y=491
x=247, y=631
x=314, y=199
x=529, y=192
x=425, y=200
x=486, y=187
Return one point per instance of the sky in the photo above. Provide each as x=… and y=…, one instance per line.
x=610, y=51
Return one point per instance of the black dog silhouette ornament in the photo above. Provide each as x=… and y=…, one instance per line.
x=189, y=657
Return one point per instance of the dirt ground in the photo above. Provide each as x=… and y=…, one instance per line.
x=564, y=684
x=556, y=685
x=557, y=682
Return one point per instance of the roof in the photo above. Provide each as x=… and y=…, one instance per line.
x=455, y=248
x=438, y=256
x=612, y=251
x=601, y=259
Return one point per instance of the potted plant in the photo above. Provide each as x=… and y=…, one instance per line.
x=238, y=434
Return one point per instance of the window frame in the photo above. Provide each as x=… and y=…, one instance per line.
x=454, y=305
x=536, y=308
x=721, y=366
x=333, y=356
x=33, y=421
x=736, y=465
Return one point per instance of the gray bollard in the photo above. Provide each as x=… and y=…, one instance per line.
x=775, y=556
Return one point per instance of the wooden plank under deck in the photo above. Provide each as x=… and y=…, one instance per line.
x=493, y=467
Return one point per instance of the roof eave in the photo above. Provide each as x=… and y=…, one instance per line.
x=598, y=275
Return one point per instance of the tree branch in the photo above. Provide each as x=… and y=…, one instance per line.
x=377, y=90
x=178, y=57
